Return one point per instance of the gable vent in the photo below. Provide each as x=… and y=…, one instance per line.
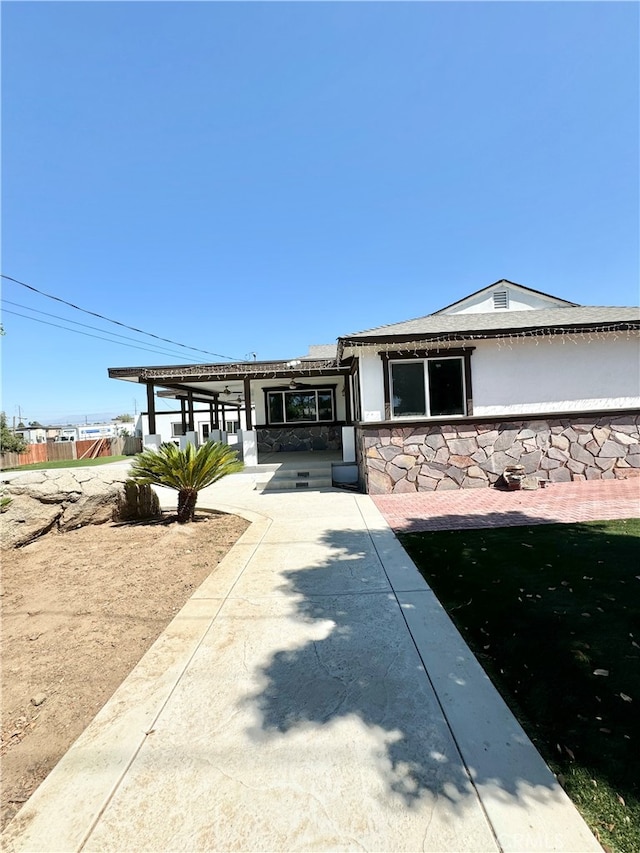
x=500, y=299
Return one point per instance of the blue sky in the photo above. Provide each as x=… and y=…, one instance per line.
x=256, y=177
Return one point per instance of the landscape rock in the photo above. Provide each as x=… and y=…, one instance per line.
x=530, y=483
x=63, y=500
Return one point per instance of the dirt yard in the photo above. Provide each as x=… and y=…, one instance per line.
x=79, y=610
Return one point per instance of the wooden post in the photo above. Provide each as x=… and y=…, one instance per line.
x=151, y=408
x=385, y=383
x=347, y=399
x=190, y=411
x=183, y=415
x=247, y=402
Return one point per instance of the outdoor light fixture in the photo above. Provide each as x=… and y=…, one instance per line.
x=293, y=384
x=239, y=398
x=226, y=390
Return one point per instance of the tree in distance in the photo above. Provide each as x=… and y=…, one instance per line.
x=9, y=441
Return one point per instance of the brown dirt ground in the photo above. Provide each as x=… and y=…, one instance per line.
x=79, y=610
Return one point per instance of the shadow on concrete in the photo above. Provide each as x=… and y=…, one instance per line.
x=367, y=667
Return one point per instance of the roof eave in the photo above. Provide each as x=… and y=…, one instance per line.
x=475, y=334
x=225, y=372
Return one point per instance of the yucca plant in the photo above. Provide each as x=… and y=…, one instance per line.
x=187, y=471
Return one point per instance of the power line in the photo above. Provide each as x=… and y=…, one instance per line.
x=85, y=326
x=117, y=322
x=88, y=335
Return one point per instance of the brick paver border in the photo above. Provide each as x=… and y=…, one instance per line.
x=564, y=503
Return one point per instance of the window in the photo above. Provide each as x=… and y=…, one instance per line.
x=205, y=432
x=304, y=405
x=176, y=430
x=433, y=387
x=232, y=427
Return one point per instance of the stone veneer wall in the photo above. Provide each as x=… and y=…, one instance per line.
x=289, y=439
x=473, y=455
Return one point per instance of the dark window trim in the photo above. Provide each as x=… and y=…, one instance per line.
x=325, y=386
x=354, y=393
x=299, y=424
x=463, y=353
x=330, y=386
x=442, y=352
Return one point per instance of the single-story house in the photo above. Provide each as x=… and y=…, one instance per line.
x=507, y=375
x=33, y=435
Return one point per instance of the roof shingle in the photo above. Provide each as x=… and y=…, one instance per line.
x=439, y=324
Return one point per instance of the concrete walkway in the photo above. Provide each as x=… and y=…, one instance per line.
x=312, y=695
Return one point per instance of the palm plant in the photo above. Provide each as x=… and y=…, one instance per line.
x=187, y=471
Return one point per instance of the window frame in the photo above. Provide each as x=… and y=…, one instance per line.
x=301, y=389
x=425, y=356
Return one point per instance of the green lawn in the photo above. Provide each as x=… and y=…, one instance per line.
x=553, y=614
x=68, y=463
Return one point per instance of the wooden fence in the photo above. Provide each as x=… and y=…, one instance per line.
x=58, y=450
x=54, y=451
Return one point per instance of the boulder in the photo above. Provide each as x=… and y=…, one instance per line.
x=64, y=500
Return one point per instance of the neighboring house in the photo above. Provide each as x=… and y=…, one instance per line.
x=42, y=434
x=33, y=435
x=507, y=375
x=68, y=432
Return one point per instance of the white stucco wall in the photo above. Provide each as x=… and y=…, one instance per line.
x=528, y=378
x=518, y=301
x=371, y=386
x=552, y=376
